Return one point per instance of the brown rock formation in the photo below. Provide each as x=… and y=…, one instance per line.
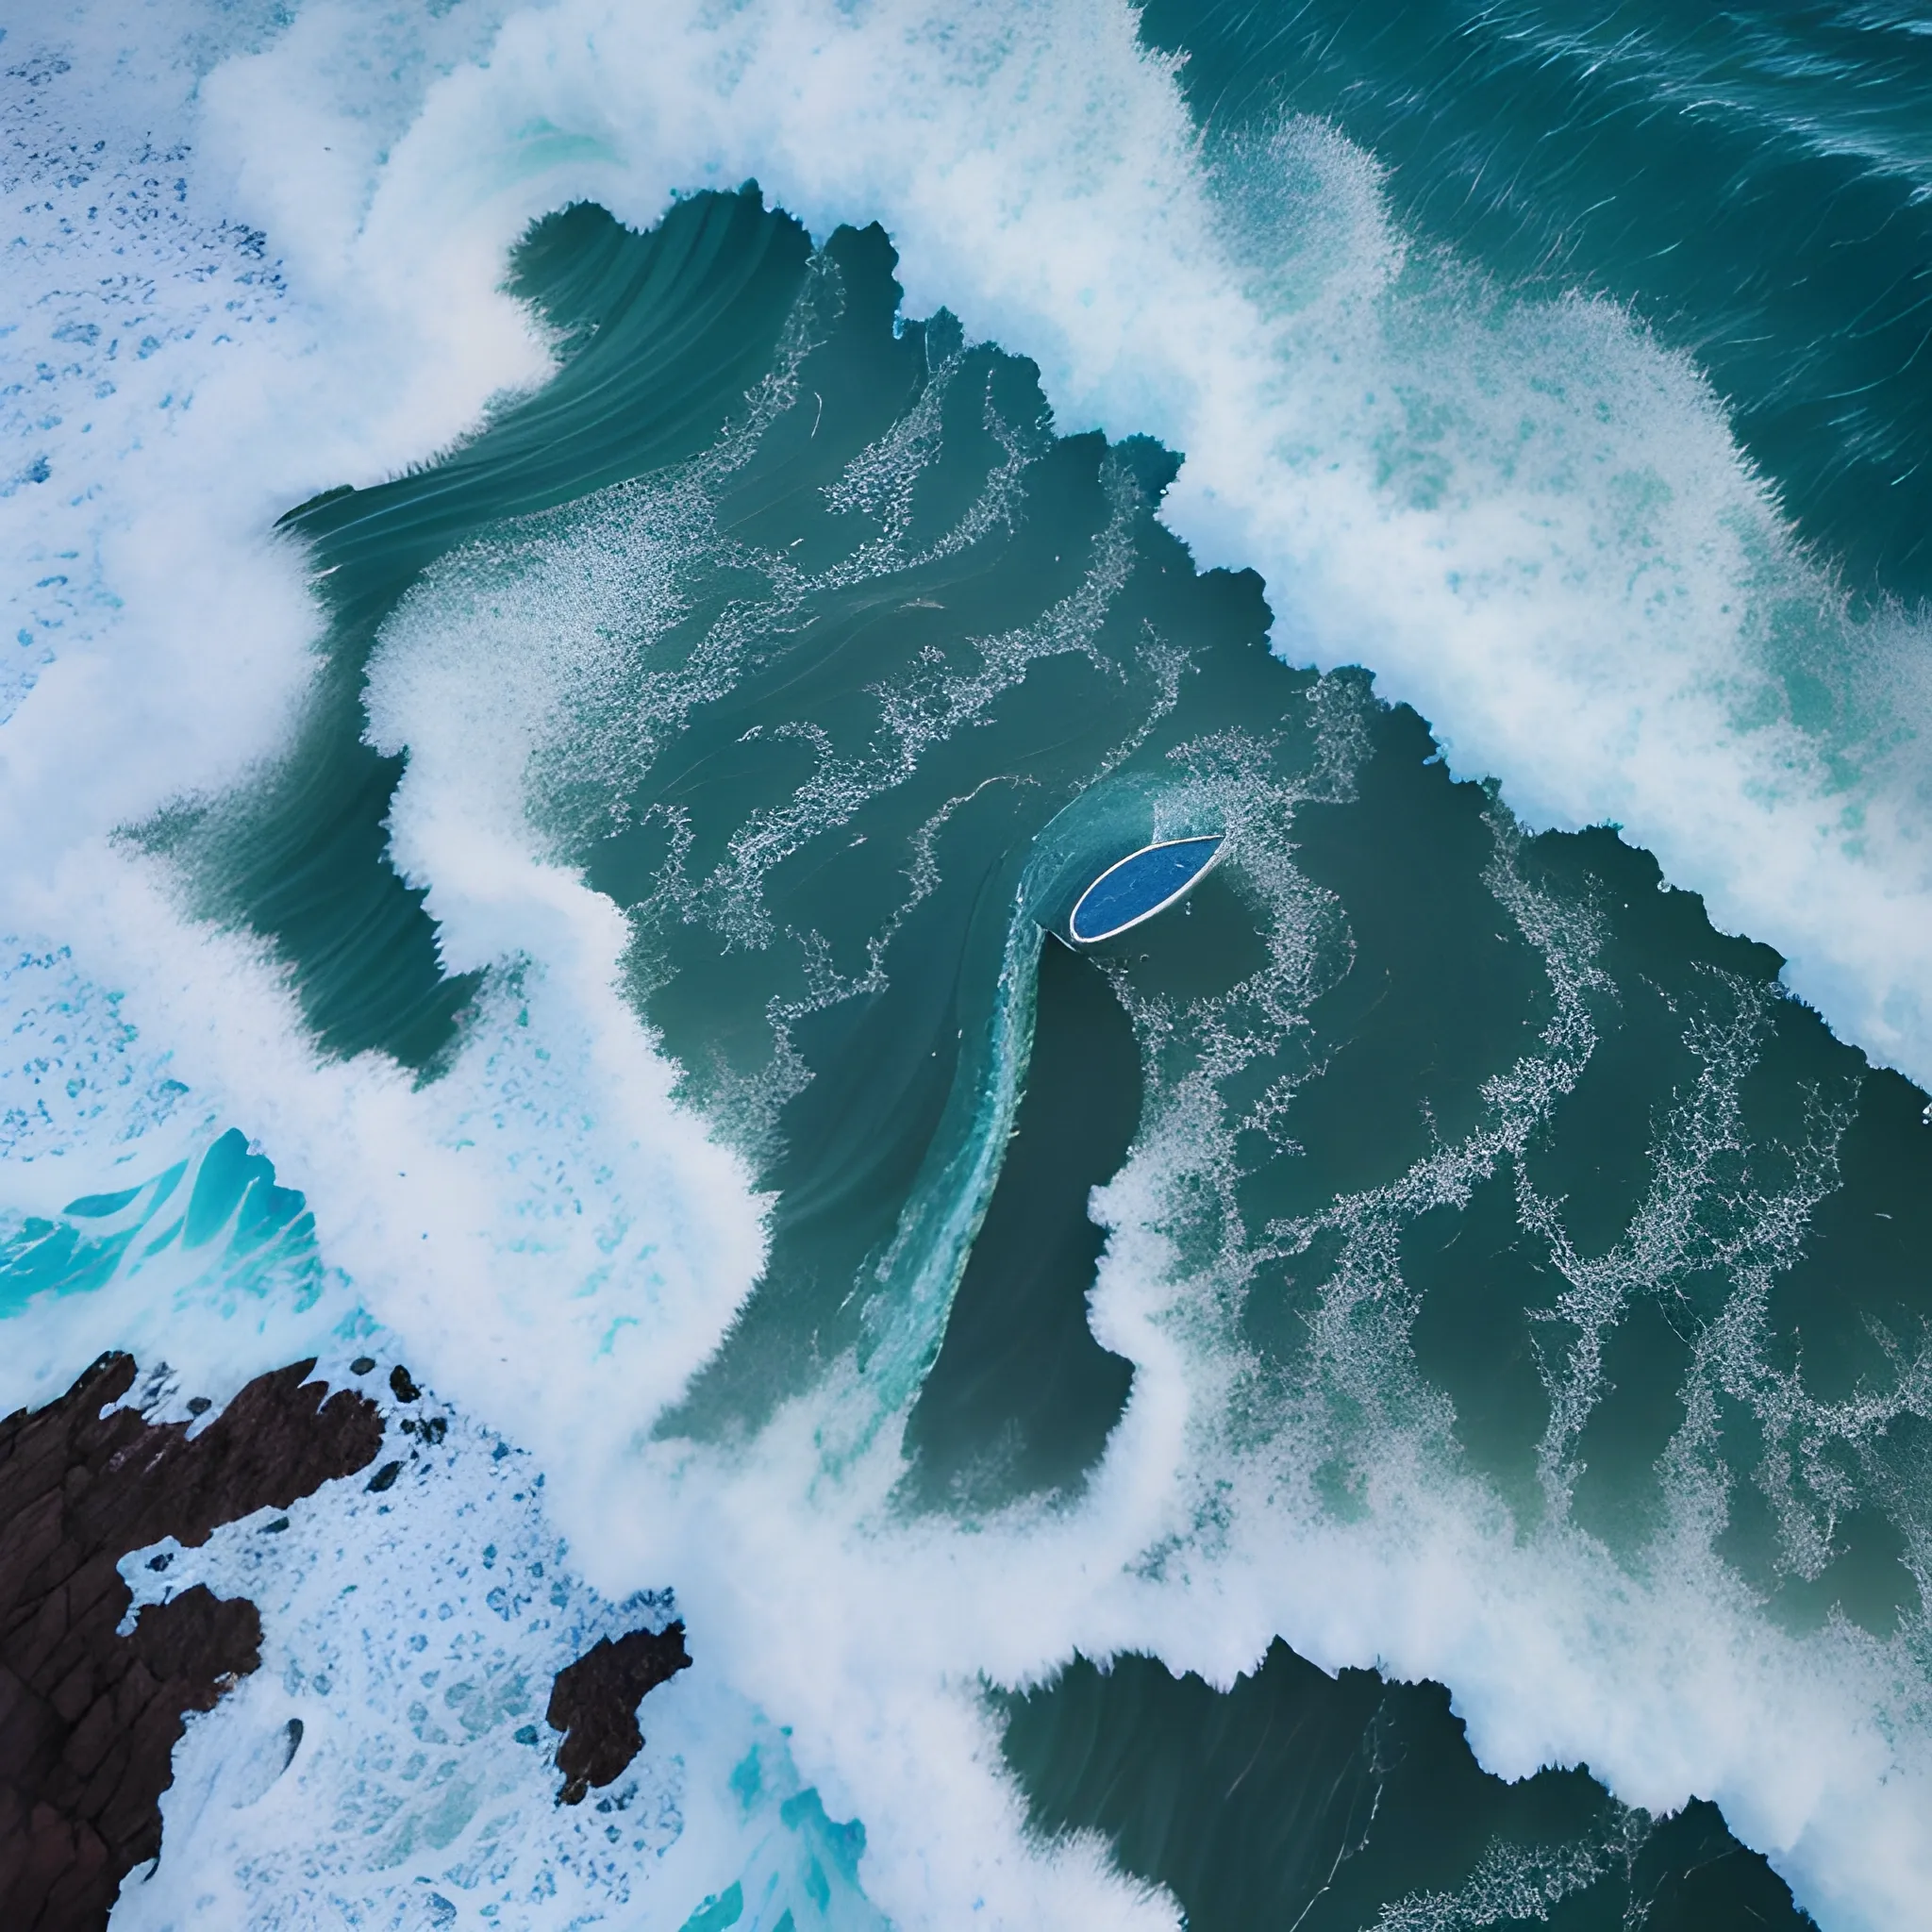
x=89, y=1720
x=594, y=1704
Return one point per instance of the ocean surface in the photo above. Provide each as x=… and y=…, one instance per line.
x=588, y=585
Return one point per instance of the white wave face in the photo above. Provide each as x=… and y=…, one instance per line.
x=262, y=255
x=1528, y=519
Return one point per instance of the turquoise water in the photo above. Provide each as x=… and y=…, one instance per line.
x=1391, y=1395
x=890, y=729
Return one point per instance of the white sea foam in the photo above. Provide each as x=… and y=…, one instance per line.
x=1527, y=518
x=390, y=1764
x=1530, y=520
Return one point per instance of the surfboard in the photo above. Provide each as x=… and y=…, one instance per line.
x=1147, y=882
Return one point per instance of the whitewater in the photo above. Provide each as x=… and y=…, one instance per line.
x=256, y=254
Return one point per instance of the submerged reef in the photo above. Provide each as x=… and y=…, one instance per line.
x=88, y=1716
x=594, y=1704
x=94, y=1695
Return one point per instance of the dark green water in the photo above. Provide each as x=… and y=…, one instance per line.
x=1299, y=1799
x=1465, y=1146
x=1752, y=181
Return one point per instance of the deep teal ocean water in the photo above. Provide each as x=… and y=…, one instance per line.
x=1479, y=1150
x=997, y=658
x=1751, y=182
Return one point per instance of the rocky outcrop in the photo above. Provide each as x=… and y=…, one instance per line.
x=594, y=1704
x=89, y=1720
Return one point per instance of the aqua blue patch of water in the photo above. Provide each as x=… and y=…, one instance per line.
x=260, y=1236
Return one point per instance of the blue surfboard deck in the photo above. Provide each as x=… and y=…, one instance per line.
x=1139, y=886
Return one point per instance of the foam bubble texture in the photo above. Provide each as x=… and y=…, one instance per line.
x=390, y=1764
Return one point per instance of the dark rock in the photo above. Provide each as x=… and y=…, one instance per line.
x=384, y=1478
x=405, y=1391
x=89, y=1720
x=594, y=1704
x=361, y=1365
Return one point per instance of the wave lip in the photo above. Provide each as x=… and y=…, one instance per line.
x=1531, y=522
x=1528, y=519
